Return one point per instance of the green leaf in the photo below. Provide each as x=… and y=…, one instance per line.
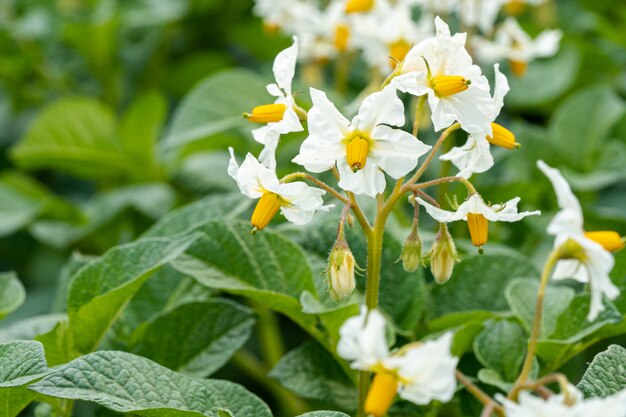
x=324, y=414
x=28, y=329
x=99, y=291
x=585, y=119
x=265, y=267
x=141, y=125
x=501, y=346
x=332, y=317
x=606, y=374
x=312, y=372
x=224, y=413
x=76, y=135
x=479, y=283
x=196, y=339
x=521, y=294
x=12, y=293
x=216, y=105
x=127, y=383
x=191, y=216
x=465, y=325
x=20, y=364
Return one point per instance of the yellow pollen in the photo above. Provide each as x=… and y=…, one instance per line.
x=502, y=137
x=514, y=7
x=478, y=228
x=381, y=394
x=609, y=239
x=518, y=68
x=359, y=6
x=266, y=113
x=271, y=28
x=447, y=85
x=356, y=153
x=265, y=210
x=342, y=36
x=397, y=52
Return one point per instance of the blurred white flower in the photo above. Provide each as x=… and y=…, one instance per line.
x=512, y=43
x=595, y=262
x=296, y=200
x=362, y=340
x=362, y=147
x=480, y=13
x=457, y=91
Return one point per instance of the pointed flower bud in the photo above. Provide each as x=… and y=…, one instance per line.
x=502, y=137
x=443, y=255
x=341, y=264
x=412, y=252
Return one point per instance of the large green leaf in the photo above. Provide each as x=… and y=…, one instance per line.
x=216, y=105
x=196, y=339
x=311, y=372
x=478, y=283
x=127, y=383
x=12, y=293
x=606, y=374
x=99, y=291
x=29, y=328
x=20, y=363
x=501, y=346
x=79, y=136
x=324, y=414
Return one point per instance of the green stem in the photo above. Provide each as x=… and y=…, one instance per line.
x=555, y=255
x=479, y=394
x=418, y=114
x=470, y=188
x=319, y=183
x=269, y=335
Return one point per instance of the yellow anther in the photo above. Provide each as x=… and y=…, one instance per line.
x=356, y=153
x=514, y=7
x=265, y=210
x=609, y=239
x=397, y=51
x=266, y=113
x=478, y=228
x=447, y=85
x=342, y=36
x=502, y=137
x=359, y=6
x=518, y=68
x=381, y=394
x=271, y=28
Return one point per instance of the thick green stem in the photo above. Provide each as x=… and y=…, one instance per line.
x=270, y=337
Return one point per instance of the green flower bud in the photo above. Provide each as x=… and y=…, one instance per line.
x=443, y=255
x=341, y=282
x=412, y=252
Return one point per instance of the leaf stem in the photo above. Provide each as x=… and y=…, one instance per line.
x=466, y=183
x=478, y=393
x=319, y=183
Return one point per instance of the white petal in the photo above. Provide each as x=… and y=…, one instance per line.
x=396, y=151
x=414, y=83
x=289, y=123
x=440, y=215
x=380, y=107
x=324, y=120
x=500, y=90
x=547, y=43
x=362, y=339
x=285, y=66
x=268, y=155
x=571, y=216
x=318, y=154
x=473, y=157
x=303, y=200
x=252, y=177
x=367, y=181
x=275, y=90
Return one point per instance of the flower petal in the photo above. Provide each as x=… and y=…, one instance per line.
x=368, y=181
x=285, y=65
x=396, y=151
x=380, y=107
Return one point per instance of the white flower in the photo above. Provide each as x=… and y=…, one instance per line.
x=475, y=156
x=362, y=340
x=515, y=45
x=281, y=116
x=480, y=13
x=296, y=200
x=362, y=147
x=425, y=371
x=457, y=91
x=568, y=225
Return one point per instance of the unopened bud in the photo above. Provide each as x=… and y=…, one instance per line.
x=412, y=252
x=341, y=264
x=443, y=255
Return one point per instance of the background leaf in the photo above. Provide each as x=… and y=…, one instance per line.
x=12, y=293
x=606, y=374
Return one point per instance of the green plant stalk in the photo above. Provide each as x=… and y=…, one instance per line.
x=271, y=340
x=555, y=255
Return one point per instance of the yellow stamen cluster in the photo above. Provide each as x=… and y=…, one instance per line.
x=518, y=68
x=447, y=85
x=609, y=239
x=342, y=36
x=398, y=51
x=265, y=210
x=381, y=394
x=502, y=137
x=478, y=228
x=357, y=150
x=359, y=6
x=514, y=7
x=266, y=113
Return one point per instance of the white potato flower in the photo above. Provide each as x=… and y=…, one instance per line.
x=297, y=201
x=596, y=262
x=362, y=340
x=360, y=148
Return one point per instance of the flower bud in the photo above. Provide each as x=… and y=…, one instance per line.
x=341, y=263
x=443, y=255
x=412, y=252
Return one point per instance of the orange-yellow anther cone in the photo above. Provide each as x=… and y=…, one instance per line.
x=502, y=137
x=514, y=7
x=342, y=36
x=397, y=51
x=447, y=85
x=265, y=210
x=518, y=68
x=359, y=6
x=356, y=153
x=609, y=239
x=267, y=113
x=381, y=394
x=478, y=228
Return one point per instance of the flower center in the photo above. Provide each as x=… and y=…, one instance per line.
x=610, y=240
x=502, y=137
x=265, y=210
x=398, y=51
x=266, y=113
x=514, y=7
x=518, y=68
x=358, y=6
x=478, y=228
x=357, y=150
x=381, y=394
x=342, y=35
x=447, y=85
